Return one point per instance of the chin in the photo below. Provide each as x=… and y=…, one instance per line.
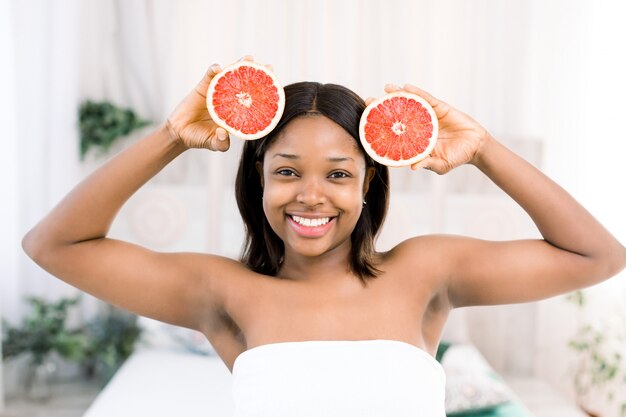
x=310, y=251
x=315, y=248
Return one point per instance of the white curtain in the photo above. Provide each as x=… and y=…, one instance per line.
x=40, y=107
x=8, y=173
x=550, y=71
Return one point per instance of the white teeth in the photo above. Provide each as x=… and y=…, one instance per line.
x=310, y=222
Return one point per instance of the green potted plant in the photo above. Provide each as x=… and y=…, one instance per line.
x=111, y=339
x=101, y=123
x=599, y=366
x=43, y=332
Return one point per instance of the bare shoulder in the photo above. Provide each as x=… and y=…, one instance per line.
x=440, y=251
x=223, y=280
x=424, y=261
x=433, y=251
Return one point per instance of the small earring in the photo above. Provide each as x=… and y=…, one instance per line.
x=364, y=203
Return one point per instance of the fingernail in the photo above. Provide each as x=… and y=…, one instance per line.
x=221, y=135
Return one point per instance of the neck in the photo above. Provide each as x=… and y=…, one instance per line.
x=328, y=266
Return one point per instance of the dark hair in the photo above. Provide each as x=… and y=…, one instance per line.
x=263, y=250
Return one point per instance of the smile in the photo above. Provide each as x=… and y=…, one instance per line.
x=310, y=222
x=311, y=228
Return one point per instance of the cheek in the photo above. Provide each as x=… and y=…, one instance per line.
x=272, y=210
x=350, y=200
x=276, y=194
x=275, y=198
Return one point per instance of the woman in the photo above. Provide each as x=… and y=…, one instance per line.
x=328, y=325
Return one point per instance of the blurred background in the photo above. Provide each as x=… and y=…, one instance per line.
x=545, y=77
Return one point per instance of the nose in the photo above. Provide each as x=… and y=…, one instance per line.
x=311, y=193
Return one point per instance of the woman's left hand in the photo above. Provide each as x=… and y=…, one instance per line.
x=460, y=137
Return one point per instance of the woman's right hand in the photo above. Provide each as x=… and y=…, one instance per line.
x=191, y=124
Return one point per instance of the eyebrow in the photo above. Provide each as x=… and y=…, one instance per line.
x=330, y=158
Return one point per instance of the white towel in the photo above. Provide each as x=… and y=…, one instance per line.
x=331, y=378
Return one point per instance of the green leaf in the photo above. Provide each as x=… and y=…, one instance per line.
x=102, y=123
x=41, y=330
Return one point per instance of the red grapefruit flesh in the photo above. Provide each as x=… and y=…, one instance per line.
x=399, y=129
x=246, y=100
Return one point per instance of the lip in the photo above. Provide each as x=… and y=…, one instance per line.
x=310, y=215
x=311, y=231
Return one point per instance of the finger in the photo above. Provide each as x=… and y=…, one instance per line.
x=249, y=58
x=390, y=88
x=203, y=85
x=219, y=141
x=369, y=101
x=438, y=165
x=432, y=163
x=422, y=93
x=423, y=164
x=221, y=134
x=222, y=145
x=441, y=107
x=270, y=67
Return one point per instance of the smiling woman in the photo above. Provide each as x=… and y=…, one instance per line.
x=344, y=329
x=314, y=148
x=328, y=183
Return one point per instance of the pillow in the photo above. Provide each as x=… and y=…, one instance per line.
x=441, y=349
x=472, y=386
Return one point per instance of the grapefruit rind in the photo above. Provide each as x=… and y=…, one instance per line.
x=383, y=159
x=233, y=131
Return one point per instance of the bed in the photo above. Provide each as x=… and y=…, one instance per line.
x=174, y=371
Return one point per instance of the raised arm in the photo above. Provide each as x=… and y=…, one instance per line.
x=576, y=250
x=71, y=241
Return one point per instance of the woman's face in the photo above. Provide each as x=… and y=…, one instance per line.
x=314, y=182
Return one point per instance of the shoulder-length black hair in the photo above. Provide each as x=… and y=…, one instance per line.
x=263, y=250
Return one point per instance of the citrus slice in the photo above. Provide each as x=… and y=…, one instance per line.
x=246, y=99
x=398, y=129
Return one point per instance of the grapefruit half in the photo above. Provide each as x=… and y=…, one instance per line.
x=398, y=129
x=246, y=100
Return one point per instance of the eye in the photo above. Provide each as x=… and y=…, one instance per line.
x=339, y=174
x=286, y=172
